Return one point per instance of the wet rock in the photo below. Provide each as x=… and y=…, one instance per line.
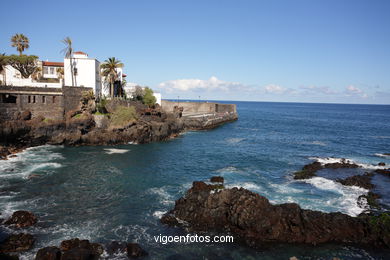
x=79, y=254
x=169, y=220
x=371, y=199
x=22, y=219
x=76, y=243
x=17, y=243
x=363, y=181
x=216, y=179
x=134, y=251
x=48, y=253
x=308, y=171
x=116, y=247
x=251, y=218
x=383, y=171
x=8, y=257
x=381, y=164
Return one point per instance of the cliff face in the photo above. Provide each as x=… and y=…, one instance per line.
x=254, y=220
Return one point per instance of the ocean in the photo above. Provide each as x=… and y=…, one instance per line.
x=104, y=193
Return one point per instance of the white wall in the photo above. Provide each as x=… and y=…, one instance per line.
x=88, y=74
x=14, y=78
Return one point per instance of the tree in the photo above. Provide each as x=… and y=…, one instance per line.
x=110, y=73
x=25, y=64
x=138, y=93
x=3, y=63
x=68, y=52
x=21, y=42
x=149, y=99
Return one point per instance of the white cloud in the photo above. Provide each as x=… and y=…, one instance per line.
x=355, y=91
x=275, y=89
x=315, y=90
x=212, y=83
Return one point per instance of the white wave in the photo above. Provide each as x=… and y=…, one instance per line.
x=347, y=202
x=163, y=196
x=135, y=143
x=26, y=173
x=234, y=140
x=318, y=143
x=382, y=155
x=246, y=185
x=115, y=151
x=229, y=169
x=158, y=214
x=327, y=160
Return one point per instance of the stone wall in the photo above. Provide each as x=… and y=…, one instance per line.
x=47, y=102
x=198, y=107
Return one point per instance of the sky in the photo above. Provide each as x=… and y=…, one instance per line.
x=328, y=51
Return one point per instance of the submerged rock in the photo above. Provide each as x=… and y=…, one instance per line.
x=22, y=219
x=251, y=218
x=216, y=179
x=17, y=243
x=48, y=253
x=363, y=181
x=309, y=170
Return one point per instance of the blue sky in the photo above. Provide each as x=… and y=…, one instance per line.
x=295, y=51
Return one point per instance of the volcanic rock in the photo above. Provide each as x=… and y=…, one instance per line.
x=363, y=181
x=22, y=219
x=381, y=164
x=216, y=179
x=134, y=250
x=251, y=218
x=48, y=253
x=17, y=243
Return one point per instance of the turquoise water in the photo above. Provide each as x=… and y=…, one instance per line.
x=101, y=194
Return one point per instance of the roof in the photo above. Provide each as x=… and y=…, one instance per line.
x=124, y=75
x=53, y=63
x=80, y=52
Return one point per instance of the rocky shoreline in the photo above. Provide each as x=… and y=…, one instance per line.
x=88, y=129
x=68, y=249
x=253, y=220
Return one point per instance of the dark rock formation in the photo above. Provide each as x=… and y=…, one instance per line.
x=381, y=164
x=135, y=251
x=48, y=253
x=8, y=257
x=17, y=243
x=116, y=247
x=217, y=179
x=22, y=219
x=81, y=246
x=252, y=219
x=310, y=170
x=363, y=181
x=385, y=172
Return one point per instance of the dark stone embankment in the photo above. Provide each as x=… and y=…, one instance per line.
x=252, y=219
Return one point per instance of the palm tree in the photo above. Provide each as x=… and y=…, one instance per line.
x=60, y=74
x=3, y=63
x=109, y=72
x=68, y=52
x=21, y=42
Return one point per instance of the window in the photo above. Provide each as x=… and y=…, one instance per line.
x=54, y=99
x=29, y=99
x=43, y=99
x=51, y=70
x=33, y=99
x=45, y=70
x=7, y=98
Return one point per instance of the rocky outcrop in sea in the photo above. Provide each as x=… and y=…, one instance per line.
x=252, y=219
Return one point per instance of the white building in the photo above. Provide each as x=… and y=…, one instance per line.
x=86, y=72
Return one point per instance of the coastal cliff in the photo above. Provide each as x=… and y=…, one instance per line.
x=83, y=127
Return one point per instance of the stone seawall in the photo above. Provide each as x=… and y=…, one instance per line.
x=51, y=103
x=198, y=107
x=208, y=121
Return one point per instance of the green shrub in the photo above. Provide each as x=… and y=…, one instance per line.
x=148, y=98
x=123, y=115
x=101, y=106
